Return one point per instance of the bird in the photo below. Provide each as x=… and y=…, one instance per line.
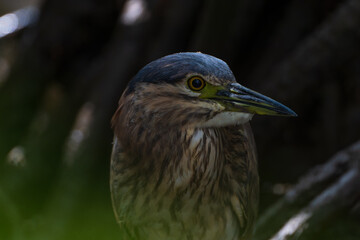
x=183, y=163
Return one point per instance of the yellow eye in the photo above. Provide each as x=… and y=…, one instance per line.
x=196, y=83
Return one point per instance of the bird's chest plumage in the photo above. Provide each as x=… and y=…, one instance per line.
x=192, y=193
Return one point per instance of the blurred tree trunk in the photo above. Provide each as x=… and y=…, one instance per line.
x=319, y=201
x=43, y=93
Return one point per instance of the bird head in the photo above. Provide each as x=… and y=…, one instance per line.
x=191, y=90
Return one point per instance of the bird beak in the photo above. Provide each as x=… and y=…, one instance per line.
x=237, y=98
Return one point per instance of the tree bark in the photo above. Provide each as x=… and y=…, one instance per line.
x=320, y=196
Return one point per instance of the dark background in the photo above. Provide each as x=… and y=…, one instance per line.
x=65, y=63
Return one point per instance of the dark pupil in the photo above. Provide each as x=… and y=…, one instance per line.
x=196, y=83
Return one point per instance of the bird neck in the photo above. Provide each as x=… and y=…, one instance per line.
x=177, y=157
x=200, y=161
